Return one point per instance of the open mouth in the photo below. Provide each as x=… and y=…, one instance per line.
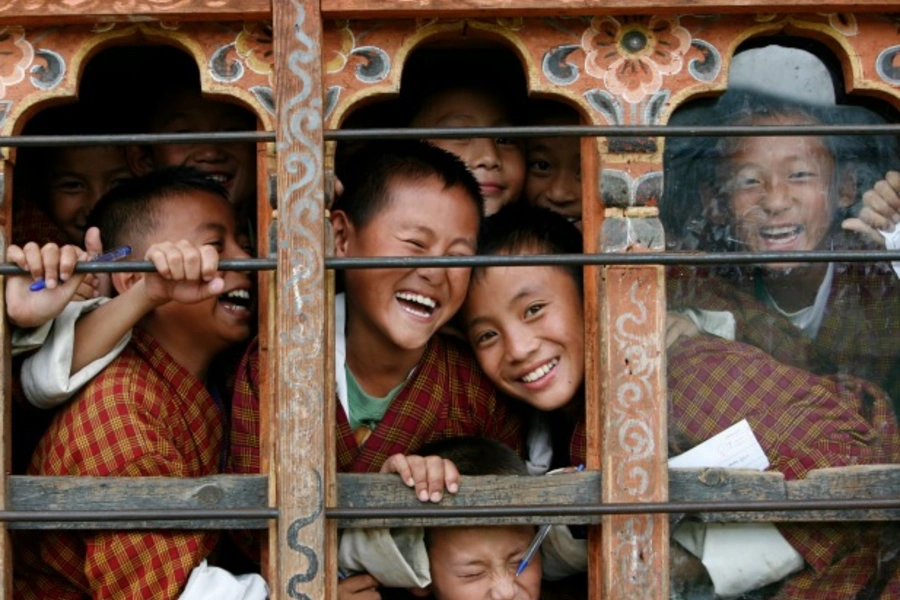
x=417, y=304
x=540, y=372
x=221, y=178
x=237, y=301
x=781, y=233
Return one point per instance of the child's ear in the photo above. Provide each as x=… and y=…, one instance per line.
x=342, y=229
x=123, y=281
x=139, y=159
x=846, y=192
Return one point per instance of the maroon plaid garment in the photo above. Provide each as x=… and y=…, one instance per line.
x=144, y=415
x=31, y=224
x=447, y=396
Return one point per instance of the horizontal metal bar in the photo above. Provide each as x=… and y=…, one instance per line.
x=398, y=133
x=631, y=508
x=15, y=516
x=521, y=260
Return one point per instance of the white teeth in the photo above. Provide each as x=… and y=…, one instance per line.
x=218, y=178
x=780, y=231
x=418, y=299
x=243, y=294
x=540, y=371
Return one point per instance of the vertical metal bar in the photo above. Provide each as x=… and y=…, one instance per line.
x=299, y=345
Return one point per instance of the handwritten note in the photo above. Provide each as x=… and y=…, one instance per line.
x=734, y=448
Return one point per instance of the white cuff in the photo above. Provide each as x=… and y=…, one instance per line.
x=720, y=323
x=46, y=375
x=25, y=340
x=739, y=557
x=562, y=554
x=396, y=557
x=214, y=583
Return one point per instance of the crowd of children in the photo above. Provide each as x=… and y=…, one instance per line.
x=163, y=378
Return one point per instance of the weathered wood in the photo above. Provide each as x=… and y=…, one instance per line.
x=139, y=493
x=299, y=345
x=632, y=365
x=554, y=8
x=55, y=12
x=6, y=170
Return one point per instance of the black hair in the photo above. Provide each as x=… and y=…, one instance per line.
x=367, y=189
x=131, y=209
x=521, y=228
x=477, y=456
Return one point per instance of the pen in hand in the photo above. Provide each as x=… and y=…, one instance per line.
x=112, y=255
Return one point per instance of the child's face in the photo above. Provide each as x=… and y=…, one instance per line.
x=526, y=325
x=554, y=175
x=232, y=164
x=479, y=563
x=77, y=179
x=402, y=308
x=497, y=163
x=779, y=193
x=205, y=218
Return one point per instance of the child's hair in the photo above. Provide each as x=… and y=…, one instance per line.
x=521, y=228
x=543, y=110
x=130, y=209
x=477, y=456
x=367, y=189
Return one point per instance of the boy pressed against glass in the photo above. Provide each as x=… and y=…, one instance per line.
x=156, y=410
x=526, y=327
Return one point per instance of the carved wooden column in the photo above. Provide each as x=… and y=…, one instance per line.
x=298, y=418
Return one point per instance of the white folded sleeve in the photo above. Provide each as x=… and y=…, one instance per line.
x=395, y=557
x=739, y=557
x=720, y=323
x=562, y=555
x=213, y=583
x=47, y=377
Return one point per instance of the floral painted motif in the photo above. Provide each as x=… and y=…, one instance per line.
x=337, y=43
x=254, y=44
x=16, y=55
x=632, y=54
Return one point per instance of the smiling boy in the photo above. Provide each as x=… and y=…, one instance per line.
x=156, y=410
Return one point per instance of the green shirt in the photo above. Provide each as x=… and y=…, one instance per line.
x=366, y=409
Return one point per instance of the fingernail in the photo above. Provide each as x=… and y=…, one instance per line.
x=50, y=283
x=453, y=488
x=410, y=482
x=423, y=495
x=436, y=497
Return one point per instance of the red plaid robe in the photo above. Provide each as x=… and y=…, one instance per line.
x=447, y=396
x=803, y=422
x=144, y=415
x=31, y=224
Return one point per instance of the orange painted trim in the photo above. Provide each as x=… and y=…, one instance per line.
x=56, y=12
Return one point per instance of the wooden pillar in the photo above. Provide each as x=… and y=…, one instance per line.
x=6, y=564
x=298, y=418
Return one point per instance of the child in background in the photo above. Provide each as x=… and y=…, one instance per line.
x=56, y=187
x=156, y=409
x=498, y=164
x=554, y=163
x=526, y=327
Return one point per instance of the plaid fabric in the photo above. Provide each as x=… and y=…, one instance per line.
x=859, y=335
x=803, y=422
x=447, y=396
x=31, y=224
x=144, y=415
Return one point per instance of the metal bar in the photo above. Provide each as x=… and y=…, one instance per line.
x=14, y=516
x=407, y=133
x=631, y=508
x=521, y=260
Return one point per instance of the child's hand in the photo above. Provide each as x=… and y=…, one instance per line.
x=185, y=273
x=679, y=326
x=56, y=266
x=358, y=587
x=881, y=209
x=427, y=474
x=102, y=282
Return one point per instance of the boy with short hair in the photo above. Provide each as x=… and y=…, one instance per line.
x=526, y=326
x=156, y=410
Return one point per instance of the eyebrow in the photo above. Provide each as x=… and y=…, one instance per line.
x=428, y=231
x=212, y=227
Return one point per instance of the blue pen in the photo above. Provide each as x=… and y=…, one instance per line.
x=537, y=541
x=112, y=255
x=342, y=574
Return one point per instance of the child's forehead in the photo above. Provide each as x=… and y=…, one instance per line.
x=472, y=542
x=461, y=101
x=89, y=157
x=190, y=104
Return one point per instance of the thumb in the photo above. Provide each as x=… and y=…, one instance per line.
x=862, y=228
x=92, y=242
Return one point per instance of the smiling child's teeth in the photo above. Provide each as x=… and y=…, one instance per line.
x=540, y=371
x=238, y=294
x=417, y=298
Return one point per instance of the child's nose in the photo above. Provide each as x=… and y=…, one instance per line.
x=504, y=587
x=776, y=197
x=484, y=154
x=207, y=153
x=520, y=344
x=564, y=189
